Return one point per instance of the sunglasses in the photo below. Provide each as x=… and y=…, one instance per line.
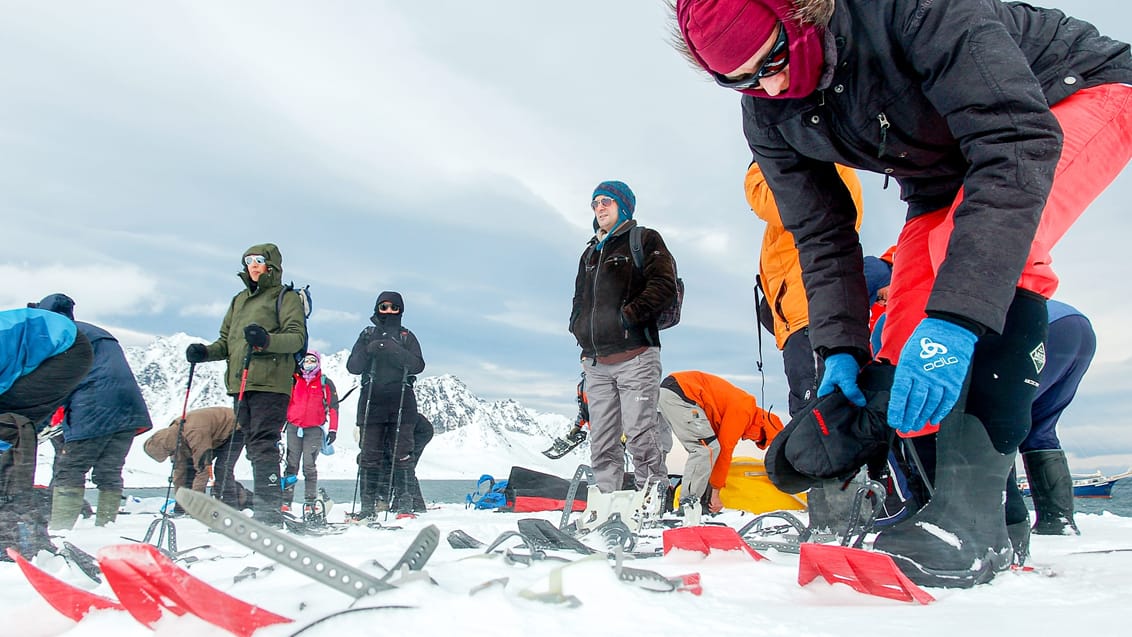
x=386, y=306
x=775, y=63
x=310, y=360
x=602, y=201
x=254, y=258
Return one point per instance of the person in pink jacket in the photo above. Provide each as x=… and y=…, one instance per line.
x=314, y=403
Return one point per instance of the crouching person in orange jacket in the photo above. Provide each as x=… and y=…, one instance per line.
x=709, y=416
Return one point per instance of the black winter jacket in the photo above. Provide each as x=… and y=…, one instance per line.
x=938, y=95
x=615, y=305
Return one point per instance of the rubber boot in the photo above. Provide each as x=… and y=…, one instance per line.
x=959, y=538
x=367, y=488
x=1017, y=520
x=108, y=504
x=66, y=505
x=402, y=497
x=419, y=505
x=268, y=494
x=1051, y=487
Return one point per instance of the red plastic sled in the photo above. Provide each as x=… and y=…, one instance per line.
x=866, y=571
x=705, y=538
x=148, y=584
x=68, y=599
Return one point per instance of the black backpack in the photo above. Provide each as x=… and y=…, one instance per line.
x=670, y=315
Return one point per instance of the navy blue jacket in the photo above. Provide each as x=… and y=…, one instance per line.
x=108, y=400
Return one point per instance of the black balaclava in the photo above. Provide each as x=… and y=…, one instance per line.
x=388, y=323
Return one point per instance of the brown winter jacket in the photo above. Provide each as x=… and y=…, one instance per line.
x=204, y=430
x=615, y=305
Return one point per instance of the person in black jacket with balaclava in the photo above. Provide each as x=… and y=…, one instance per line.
x=388, y=356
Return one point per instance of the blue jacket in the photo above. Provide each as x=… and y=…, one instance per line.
x=27, y=338
x=108, y=400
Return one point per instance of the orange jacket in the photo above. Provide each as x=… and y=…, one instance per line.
x=779, y=269
x=732, y=413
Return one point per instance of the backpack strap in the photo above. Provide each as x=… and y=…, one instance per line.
x=636, y=248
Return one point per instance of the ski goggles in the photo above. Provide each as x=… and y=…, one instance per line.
x=775, y=63
x=386, y=306
x=255, y=258
x=602, y=201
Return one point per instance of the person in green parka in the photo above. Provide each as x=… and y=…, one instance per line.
x=263, y=330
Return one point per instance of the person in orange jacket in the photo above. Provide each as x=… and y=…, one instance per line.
x=784, y=310
x=709, y=415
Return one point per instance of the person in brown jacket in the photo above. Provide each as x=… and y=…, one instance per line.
x=206, y=438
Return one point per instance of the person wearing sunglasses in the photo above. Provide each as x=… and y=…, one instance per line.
x=259, y=337
x=613, y=318
x=388, y=356
x=1001, y=122
x=314, y=405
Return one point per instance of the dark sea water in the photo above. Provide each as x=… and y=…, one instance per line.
x=454, y=491
x=442, y=491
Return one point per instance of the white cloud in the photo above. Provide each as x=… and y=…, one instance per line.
x=98, y=289
x=216, y=309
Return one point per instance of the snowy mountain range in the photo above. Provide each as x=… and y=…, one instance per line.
x=473, y=436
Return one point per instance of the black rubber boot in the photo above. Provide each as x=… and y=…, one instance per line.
x=1051, y=487
x=402, y=496
x=959, y=538
x=268, y=494
x=368, y=489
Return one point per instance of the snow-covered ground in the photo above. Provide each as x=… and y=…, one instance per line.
x=1087, y=595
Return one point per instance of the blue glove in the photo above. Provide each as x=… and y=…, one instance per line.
x=930, y=374
x=841, y=372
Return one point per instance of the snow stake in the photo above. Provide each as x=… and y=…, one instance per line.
x=867, y=572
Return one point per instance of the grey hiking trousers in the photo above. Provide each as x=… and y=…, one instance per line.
x=692, y=429
x=622, y=400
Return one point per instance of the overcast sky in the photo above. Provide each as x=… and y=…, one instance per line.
x=443, y=149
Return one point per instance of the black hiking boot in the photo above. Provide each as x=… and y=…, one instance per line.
x=959, y=538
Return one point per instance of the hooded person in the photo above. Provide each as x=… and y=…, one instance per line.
x=261, y=333
x=614, y=320
x=709, y=415
x=388, y=356
x=100, y=419
x=1001, y=122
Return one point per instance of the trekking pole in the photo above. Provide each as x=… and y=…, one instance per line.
x=224, y=484
x=164, y=525
x=396, y=436
x=372, y=371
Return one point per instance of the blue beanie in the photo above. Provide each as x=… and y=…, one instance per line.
x=622, y=194
x=878, y=274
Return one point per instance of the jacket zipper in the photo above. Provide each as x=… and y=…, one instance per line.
x=884, y=125
x=593, y=303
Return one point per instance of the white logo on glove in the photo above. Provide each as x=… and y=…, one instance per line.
x=930, y=348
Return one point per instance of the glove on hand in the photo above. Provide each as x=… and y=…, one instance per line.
x=841, y=372
x=388, y=345
x=331, y=437
x=196, y=353
x=256, y=336
x=930, y=374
